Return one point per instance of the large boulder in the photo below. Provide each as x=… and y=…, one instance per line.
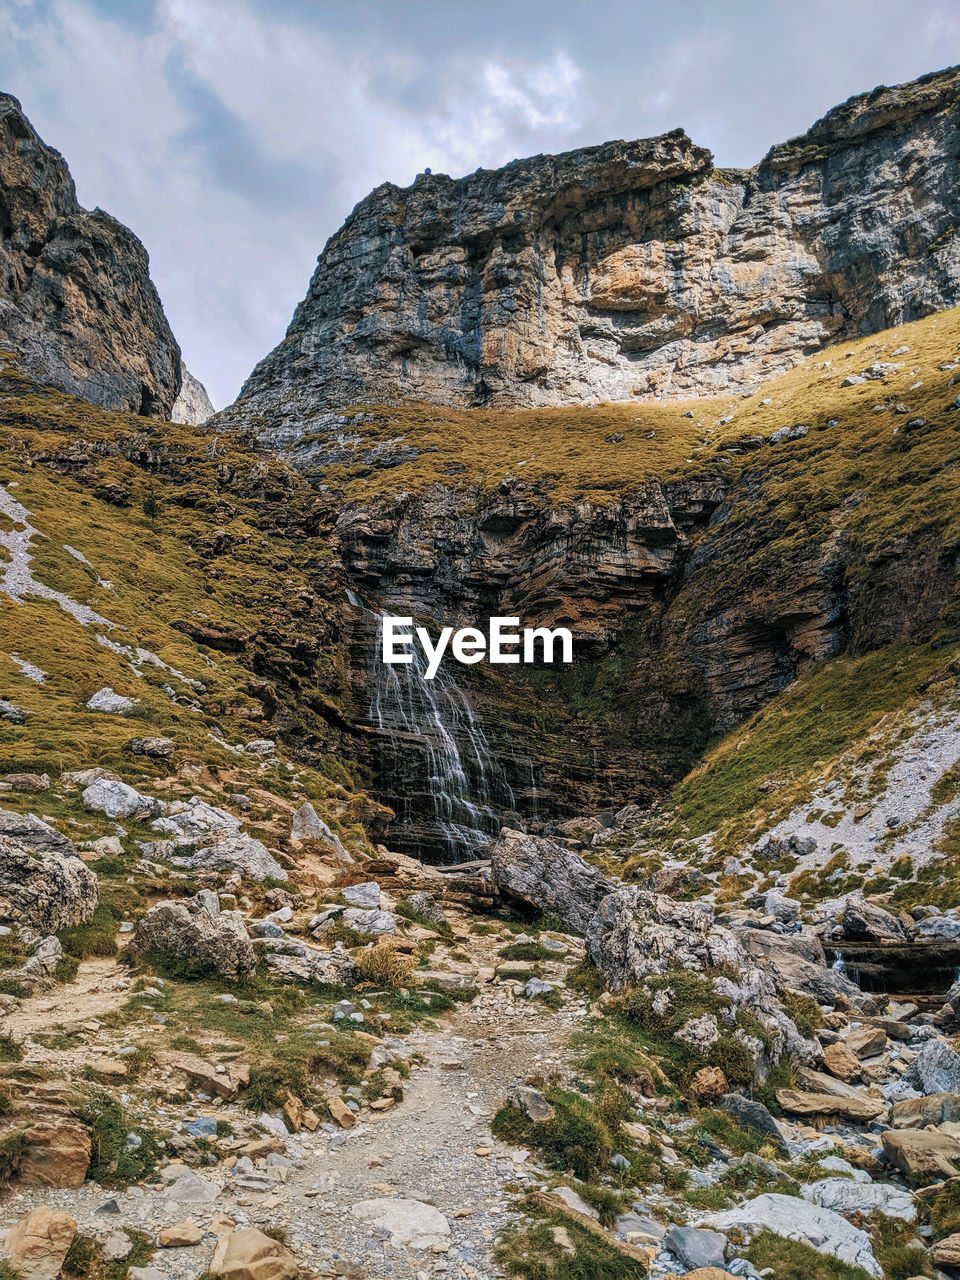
x=197, y=932
x=922, y=1154
x=863, y=921
x=635, y=933
x=293, y=961
x=34, y=834
x=825, y=1230
x=38, y=1244
x=117, y=800
x=847, y=1197
x=45, y=891
x=235, y=851
x=249, y=1254
x=548, y=876
x=308, y=826
x=936, y=1068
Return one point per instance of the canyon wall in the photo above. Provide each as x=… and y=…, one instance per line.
x=77, y=304
x=627, y=270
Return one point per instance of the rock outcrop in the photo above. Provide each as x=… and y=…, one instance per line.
x=549, y=877
x=77, y=304
x=192, y=405
x=44, y=891
x=197, y=933
x=631, y=269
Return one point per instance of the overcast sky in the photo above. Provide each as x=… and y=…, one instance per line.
x=235, y=135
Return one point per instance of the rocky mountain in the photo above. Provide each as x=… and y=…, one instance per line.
x=192, y=404
x=632, y=270
x=681, y=1003
x=77, y=304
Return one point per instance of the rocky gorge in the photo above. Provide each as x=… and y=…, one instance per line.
x=640, y=966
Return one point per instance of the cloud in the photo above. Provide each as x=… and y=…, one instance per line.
x=235, y=135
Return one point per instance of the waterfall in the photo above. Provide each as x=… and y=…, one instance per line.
x=466, y=788
x=839, y=964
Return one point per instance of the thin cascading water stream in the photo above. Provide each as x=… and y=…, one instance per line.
x=467, y=791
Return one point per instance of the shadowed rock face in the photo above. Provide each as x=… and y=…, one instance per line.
x=632, y=269
x=76, y=300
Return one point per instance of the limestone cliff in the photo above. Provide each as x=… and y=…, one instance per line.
x=192, y=406
x=76, y=300
x=628, y=270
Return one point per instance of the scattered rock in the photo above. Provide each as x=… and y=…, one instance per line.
x=826, y=1231
x=39, y=1243
x=110, y=702
x=183, y=1235
x=696, y=1248
x=158, y=748
x=117, y=800
x=408, y=1222
x=248, y=1254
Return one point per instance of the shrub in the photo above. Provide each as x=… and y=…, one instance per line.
x=385, y=966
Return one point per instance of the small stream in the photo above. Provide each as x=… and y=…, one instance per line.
x=915, y=969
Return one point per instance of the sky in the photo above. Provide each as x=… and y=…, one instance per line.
x=234, y=136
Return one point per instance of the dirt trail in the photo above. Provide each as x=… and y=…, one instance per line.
x=99, y=987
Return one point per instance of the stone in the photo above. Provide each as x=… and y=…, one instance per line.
x=56, y=1153
x=260, y=747
x=110, y=702
x=362, y=895
x=344, y=1117
x=79, y=309
x=157, y=748
x=937, y=1068
x=866, y=1042
x=547, y=875
x=117, y=800
x=848, y=1197
x=197, y=931
x=222, y=1080
x=932, y=1109
x=234, y=851
x=696, y=1248
x=248, y=1254
x=39, y=1243
x=29, y=831
x=532, y=1103
x=946, y=1252
x=784, y=910
x=635, y=933
x=409, y=1223
x=426, y=906
x=11, y=712
x=308, y=826
x=753, y=1115
x=45, y=890
x=840, y=1062
x=190, y=1188
x=372, y=923
x=183, y=1235
x=28, y=781
x=823, y=1229
x=860, y=1109
x=862, y=921
x=922, y=1153
x=293, y=961
x=537, y=987
x=708, y=1084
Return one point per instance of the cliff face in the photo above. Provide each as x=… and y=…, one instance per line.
x=76, y=300
x=628, y=270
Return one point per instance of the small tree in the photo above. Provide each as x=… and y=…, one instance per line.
x=151, y=508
